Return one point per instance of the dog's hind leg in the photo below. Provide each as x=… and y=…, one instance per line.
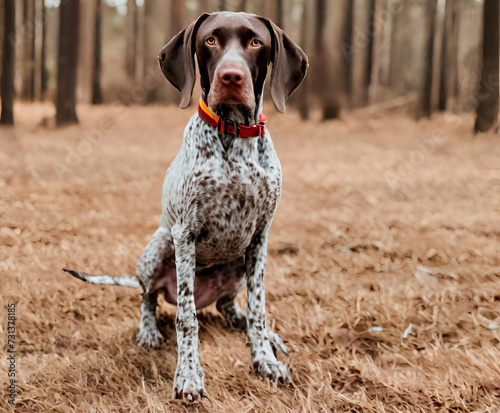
x=149, y=335
x=232, y=312
x=234, y=279
x=157, y=257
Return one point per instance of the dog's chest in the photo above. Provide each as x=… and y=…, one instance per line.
x=223, y=195
x=239, y=197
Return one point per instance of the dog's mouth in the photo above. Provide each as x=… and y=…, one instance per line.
x=231, y=96
x=221, y=107
x=236, y=113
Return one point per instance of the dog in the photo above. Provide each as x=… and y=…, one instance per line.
x=221, y=191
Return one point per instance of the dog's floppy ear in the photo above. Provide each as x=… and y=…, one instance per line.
x=176, y=60
x=289, y=65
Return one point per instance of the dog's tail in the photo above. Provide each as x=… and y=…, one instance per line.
x=106, y=279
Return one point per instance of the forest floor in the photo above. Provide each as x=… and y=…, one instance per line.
x=383, y=223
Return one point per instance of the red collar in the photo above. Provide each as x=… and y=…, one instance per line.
x=226, y=126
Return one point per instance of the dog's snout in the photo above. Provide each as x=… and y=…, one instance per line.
x=231, y=76
x=232, y=84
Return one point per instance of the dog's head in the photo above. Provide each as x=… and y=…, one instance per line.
x=233, y=52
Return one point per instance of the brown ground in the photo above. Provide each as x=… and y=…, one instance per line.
x=361, y=239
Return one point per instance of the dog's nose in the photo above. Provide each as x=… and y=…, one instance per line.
x=230, y=77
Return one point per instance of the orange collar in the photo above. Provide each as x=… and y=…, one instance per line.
x=226, y=126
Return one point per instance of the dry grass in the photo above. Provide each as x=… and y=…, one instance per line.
x=347, y=252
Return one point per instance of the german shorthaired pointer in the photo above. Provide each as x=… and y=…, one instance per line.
x=220, y=192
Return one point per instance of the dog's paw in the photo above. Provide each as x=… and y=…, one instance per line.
x=239, y=323
x=188, y=385
x=277, y=343
x=151, y=338
x=269, y=367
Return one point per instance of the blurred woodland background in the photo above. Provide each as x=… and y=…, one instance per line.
x=419, y=55
x=383, y=272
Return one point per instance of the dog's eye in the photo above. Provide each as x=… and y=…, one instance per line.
x=255, y=43
x=211, y=41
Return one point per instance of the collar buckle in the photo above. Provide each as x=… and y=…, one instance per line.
x=227, y=126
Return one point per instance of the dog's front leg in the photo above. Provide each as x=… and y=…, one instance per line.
x=262, y=342
x=188, y=380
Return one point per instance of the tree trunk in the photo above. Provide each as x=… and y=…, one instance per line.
x=437, y=55
x=177, y=17
x=429, y=67
x=28, y=58
x=302, y=98
x=448, y=75
x=279, y=13
x=31, y=72
x=378, y=51
x=148, y=52
x=360, y=51
x=1, y=38
x=8, y=63
x=25, y=51
x=370, y=46
x=85, y=69
x=321, y=59
x=132, y=32
x=399, y=59
x=96, y=71
x=349, y=48
x=67, y=62
x=488, y=92
x=43, y=56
